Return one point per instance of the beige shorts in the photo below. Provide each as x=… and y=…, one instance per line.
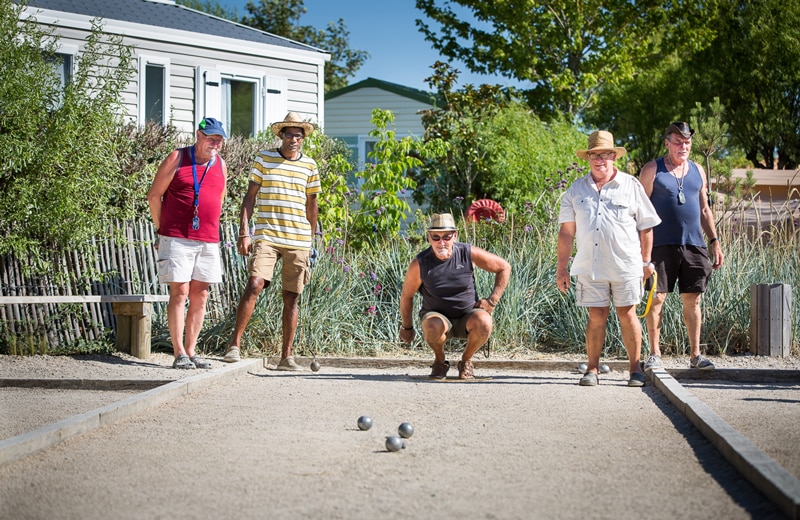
x=596, y=293
x=295, y=271
x=181, y=260
x=456, y=328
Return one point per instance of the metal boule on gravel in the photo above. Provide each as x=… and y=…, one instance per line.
x=583, y=367
x=605, y=369
x=405, y=430
x=364, y=422
x=315, y=366
x=394, y=443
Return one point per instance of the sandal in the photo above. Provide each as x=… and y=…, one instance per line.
x=200, y=362
x=183, y=362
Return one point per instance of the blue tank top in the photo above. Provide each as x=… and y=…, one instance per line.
x=448, y=286
x=680, y=223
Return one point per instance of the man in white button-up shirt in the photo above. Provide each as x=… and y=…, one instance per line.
x=609, y=215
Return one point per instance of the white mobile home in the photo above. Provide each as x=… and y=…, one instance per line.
x=191, y=64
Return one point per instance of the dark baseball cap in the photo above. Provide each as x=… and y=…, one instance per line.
x=210, y=126
x=680, y=127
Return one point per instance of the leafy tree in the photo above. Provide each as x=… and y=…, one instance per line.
x=281, y=17
x=530, y=162
x=753, y=66
x=55, y=184
x=459, y=175
x=380, y=209
x=569, y=50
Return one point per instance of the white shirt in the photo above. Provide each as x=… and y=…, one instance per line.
x=607, y=225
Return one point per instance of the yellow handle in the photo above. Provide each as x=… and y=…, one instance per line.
x=649, y=295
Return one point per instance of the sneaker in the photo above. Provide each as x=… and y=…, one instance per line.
x=589, y=379
x=636, y=379
x=701, y=363
x=439, y=370
x=466, y=370
x=289, y=365
x=653, y=362
x=232, y=355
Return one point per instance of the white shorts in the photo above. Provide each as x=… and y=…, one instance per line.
x=597, y=293
x=181, y=260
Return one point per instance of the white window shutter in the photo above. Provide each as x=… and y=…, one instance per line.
x=276, y=99
x=210, y=90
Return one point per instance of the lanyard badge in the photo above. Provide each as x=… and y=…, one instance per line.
x=197, y=186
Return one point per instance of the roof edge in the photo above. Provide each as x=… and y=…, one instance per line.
x=401, y=90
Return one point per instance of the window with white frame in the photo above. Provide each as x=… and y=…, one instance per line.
x=244, y=100
x=153, y=89
x=63, y=63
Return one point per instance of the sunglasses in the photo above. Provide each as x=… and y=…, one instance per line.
x=437, y=238
x=217, y=139
x=291, y=137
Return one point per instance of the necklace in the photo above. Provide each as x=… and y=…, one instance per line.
x=681, y=196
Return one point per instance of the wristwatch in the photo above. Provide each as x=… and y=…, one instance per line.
x=649, y=264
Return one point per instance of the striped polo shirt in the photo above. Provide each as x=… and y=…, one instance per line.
x=280, y=209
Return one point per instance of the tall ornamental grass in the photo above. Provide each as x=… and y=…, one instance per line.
x=351, y=307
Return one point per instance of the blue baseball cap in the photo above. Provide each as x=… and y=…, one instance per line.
x=210, y=126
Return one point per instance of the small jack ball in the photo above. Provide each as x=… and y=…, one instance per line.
x=315, y=366
x=604, y=369
x=364, y=423
x=394, y=443
x=405, y=430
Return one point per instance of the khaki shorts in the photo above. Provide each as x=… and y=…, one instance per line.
x=456, y=328
x=181, y=261
x=296, y=269
x=596, y=293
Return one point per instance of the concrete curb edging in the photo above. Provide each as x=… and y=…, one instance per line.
x=762, y=471
x=25, y=444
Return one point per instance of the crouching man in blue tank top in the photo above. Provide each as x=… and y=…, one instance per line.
x=444, y=274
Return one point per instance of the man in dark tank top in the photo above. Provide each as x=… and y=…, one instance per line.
x=444, y=275
x=678, y=189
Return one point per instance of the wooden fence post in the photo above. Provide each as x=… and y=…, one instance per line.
x=770, y=319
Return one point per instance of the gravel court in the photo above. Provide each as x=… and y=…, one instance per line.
x=270, y=444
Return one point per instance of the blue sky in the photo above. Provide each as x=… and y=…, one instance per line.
x=385, y=29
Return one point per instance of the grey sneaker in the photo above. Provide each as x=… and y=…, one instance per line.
x=232, y=355
x=701, y=363
x=589, y=379
x=653, y=362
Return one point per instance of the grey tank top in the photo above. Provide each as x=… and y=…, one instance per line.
x=448, y=286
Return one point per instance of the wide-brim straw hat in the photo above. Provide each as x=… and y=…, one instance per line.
x=293, y=119
x=442, y=222
x=601, y=141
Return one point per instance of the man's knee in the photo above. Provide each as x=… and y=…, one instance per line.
x=255, y=285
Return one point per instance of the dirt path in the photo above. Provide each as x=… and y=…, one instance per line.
x=525, y=444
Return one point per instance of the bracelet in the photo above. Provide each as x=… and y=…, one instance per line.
x=406, y=328
x=490, y=302
x=715, y=239
x=244, y=236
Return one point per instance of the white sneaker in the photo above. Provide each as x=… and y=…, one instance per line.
x=232, y=355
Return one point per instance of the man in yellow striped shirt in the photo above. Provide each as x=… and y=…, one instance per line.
x=281, y=198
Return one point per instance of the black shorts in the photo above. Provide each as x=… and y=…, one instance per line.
x=687, y=265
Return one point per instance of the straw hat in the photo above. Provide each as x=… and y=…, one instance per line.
x=601, y=141
x=293, y=119
x=442, y=222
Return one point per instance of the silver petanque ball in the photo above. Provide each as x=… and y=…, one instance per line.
x=364, y=422
x=394, y=443
x=604, y=369
x=315, y=366
x=405, y=430
x=583, y=367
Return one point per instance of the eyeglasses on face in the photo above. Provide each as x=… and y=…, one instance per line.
x=437, y=238
x=605, y=156
x=215, y=139
x=290, y=137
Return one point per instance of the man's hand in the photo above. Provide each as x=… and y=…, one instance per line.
x=407, y=335
x=244, y=245
x=562, y=280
